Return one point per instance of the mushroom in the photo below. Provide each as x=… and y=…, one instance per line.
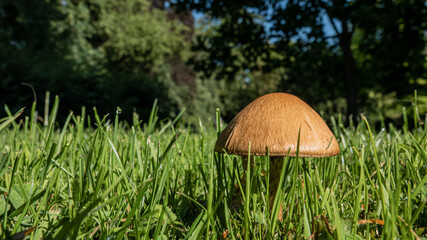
x=270, y=125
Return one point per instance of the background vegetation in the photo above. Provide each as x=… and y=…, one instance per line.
x=339, y=56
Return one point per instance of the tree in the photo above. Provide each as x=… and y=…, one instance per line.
x=380, y=26
x=93, y=53
x=26, y=47
x=329, y=49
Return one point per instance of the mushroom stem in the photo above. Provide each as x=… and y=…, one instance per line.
x=275, y=170
x=274, y=180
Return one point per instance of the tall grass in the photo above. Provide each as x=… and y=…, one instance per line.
x=100, y=178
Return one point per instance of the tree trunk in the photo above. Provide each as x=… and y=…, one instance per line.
x=350, y=73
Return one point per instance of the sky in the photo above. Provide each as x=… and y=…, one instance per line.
x=327, y=26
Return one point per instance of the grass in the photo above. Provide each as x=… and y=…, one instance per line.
x=96, y=178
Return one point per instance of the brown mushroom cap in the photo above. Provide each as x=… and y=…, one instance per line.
x=271, y=124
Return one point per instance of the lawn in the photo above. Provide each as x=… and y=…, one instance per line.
x=95, y=177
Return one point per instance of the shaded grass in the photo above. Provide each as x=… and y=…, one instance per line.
x=106, y=179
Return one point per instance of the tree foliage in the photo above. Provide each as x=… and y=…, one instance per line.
x=329, y=49
x=339, y=56
x=94, y=53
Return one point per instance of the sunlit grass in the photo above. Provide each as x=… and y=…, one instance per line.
x=97, y=177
